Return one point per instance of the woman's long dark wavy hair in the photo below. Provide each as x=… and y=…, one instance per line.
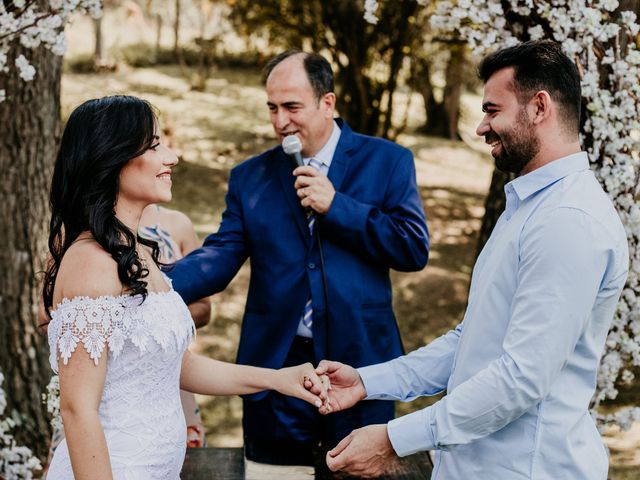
x=100, y=137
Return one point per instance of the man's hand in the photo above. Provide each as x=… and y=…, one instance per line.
x=314, y=189
x=345, y=386
x=365, y=452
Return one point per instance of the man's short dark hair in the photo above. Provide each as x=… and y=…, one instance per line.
x=540, y=65
x=317, y=67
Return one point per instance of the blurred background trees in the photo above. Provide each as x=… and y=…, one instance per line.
x=369, y=59
x=372, y=61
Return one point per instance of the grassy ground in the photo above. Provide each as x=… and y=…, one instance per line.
x=215, y=129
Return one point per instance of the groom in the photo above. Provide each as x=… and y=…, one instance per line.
x=321, y=240
x=521, y=368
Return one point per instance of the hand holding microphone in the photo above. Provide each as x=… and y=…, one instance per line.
x=314, y=189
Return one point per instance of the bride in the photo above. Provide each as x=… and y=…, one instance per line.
x=119, y=333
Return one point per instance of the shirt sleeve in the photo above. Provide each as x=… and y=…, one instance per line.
x=210, y=268
x=563, y=261
x=425, y=371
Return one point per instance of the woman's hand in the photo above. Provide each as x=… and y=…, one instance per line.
x=291, y=381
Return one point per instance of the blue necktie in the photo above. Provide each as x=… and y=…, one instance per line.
x=307, y=316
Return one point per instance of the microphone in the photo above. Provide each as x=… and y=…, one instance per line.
x=292, y=146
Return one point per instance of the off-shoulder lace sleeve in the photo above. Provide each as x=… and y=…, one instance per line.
x=96, y=323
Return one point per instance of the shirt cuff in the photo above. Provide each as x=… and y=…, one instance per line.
x=412, y=433
x=377, y=381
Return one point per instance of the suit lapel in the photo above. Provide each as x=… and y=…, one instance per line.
x=336, y=174
x=284, y=167
x=341, y=156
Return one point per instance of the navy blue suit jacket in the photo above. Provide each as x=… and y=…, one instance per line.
x=375, y=222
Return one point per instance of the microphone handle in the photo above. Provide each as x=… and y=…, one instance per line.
x=296, y=159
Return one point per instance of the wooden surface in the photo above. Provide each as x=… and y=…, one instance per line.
x=228, y=464
x=213, y=464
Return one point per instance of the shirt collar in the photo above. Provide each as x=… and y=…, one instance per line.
x=544, y=176
x=325, y=154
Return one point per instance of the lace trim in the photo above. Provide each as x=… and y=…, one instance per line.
x=111, y=320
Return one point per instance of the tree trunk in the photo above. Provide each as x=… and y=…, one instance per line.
x=420, y=81
x=434, y=110
x=358, y=97
x=30, y=119
x=176, y=29
x=443, y=116
x=158, y=35
x=362, y=94
x=98, y=54
x=494, y=205
x=453, y=90
x=395, y=65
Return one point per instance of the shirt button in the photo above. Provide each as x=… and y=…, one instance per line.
x=311, y=266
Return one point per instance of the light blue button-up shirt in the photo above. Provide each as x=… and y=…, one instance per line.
x=520, y=369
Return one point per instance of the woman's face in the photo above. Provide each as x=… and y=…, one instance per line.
x=147, y=179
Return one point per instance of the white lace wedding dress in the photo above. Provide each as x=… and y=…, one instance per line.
x=140, y=409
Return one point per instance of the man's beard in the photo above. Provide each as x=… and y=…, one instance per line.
x=518, y=146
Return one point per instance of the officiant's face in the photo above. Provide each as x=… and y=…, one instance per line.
x=295, y=109
x=506, y=126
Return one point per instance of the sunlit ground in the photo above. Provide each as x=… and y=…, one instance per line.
x=215, y=129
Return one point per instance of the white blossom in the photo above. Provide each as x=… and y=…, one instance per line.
x=16, y=461
x=52, y=398
x=609, y=5
x=27, y=72
x=370, y=7
x=536, y=33
x=634, y=57
x=34, y=26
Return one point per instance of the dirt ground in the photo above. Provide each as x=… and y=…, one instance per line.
x=215, y=129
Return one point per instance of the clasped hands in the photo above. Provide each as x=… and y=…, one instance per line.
x=366, y=452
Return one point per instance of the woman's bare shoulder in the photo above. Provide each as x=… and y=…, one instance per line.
x=181, y=229
x=176, y=219
x=87, y=270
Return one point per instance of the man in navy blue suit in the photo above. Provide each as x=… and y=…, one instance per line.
x=321, y=239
